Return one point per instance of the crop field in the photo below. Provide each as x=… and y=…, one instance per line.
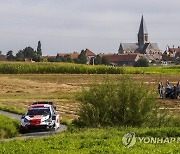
x=70, y=68
x=18, y=91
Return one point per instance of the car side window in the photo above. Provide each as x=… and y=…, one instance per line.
x=54, y=112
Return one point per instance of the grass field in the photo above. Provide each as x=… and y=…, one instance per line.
x=8, y=127
x=103, y=140
x=19, y=91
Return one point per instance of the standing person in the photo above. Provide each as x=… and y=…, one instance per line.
x=160, y=89
x=168, y=90
x=178, y=89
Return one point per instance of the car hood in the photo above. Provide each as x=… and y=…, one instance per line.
x=35, y=117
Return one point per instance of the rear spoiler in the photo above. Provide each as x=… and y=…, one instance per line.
x=50, y=103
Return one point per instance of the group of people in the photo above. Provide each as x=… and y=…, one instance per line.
x=168, y=91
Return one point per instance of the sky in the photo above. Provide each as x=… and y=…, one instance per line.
x=65, y=26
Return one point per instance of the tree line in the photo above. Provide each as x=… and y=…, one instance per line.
x=81, y=59
x=27, y=53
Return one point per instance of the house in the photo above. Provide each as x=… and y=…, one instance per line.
x=48, y=57
x=172, y=52
x=73, y=55
x=3, y=58
x=90, y=55
x=143, y=46
x=122, y=59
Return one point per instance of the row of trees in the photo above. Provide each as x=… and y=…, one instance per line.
x=27, y=53
x=81, y=59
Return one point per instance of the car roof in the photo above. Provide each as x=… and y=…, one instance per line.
x=40, y=106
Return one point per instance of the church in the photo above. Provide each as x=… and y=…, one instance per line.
x=143, y=46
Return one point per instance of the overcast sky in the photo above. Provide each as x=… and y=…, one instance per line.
x=73, y=25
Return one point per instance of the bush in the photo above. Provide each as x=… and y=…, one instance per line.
x=142, y=62
x=122, y=102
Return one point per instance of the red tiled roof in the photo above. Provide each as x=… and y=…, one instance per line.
x=2, y=58
x=121, y=57
x=89, y=53
x=172, y=50
x=46, y=57
x=74, y=55
x=177, y=54
x=62, y=54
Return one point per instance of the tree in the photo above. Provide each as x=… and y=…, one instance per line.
x=29, y=52
x=0, y=52
x=105, y=61
x=10, y=56
x=96, y=60
x=142, y=62
x=20, y=56
x=116, y=102
x=39, y=50
x=82, y=59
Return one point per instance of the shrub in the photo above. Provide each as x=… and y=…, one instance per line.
x=142, y=62
x=122, y=102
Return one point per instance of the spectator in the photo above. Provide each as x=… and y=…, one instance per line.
x=168, y=89
x=178, y=89
x=160, y=89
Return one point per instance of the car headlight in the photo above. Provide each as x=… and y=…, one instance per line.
x=26, y=120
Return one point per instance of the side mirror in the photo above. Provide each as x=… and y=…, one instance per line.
x=53, y=117
x=23, y=116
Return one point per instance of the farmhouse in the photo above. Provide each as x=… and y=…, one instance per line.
x=122, y=59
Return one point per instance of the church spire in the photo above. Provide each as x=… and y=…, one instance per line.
x=142, y=34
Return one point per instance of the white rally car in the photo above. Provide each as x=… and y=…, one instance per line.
x=40, y=115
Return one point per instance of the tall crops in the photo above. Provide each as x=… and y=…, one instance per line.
x=69, y=68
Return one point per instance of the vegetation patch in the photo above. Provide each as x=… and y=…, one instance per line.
x=107, y=140
x=8, y=127
x=13, y=109
x=120, y=102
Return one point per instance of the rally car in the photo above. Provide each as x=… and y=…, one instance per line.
x=40, y=115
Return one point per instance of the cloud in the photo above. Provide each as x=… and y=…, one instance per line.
x=100, y=25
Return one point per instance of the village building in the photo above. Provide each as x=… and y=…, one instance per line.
x=143, y=46
x=172, y=52
x=3, y=58
x=122, y=59
x=73, y=55
x=90, y=55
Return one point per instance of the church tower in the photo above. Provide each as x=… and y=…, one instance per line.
x=142, y=34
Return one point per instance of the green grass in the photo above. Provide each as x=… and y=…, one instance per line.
x=13, y=109
x=69, y=68
x=107, y=140
x=8, y=127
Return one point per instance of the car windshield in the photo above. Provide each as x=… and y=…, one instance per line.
x=44, y=111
